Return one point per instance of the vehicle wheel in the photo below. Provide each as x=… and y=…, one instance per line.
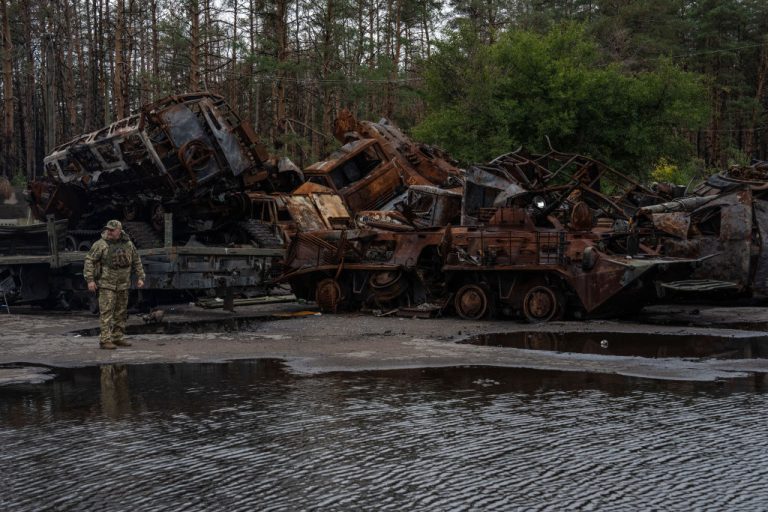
x=473, y=302
x=70, y=243
x=542, y=304
x=157, y=217
x=328, y=295
x=387, y=285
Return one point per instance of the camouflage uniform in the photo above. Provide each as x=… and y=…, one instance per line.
x=109, y=264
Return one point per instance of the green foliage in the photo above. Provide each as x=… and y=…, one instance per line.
x=666, y=171
x=19, y=180
x=487, y=100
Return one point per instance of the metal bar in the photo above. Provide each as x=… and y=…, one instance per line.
x=53, y=241
x=168, y=224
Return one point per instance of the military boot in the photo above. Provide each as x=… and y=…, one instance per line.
x=107, y=345
x=122, y=343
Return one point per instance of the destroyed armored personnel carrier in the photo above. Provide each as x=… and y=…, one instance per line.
x=509, y=265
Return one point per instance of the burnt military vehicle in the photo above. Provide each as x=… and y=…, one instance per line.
x=189, y=155
x=185, y=175
x=508, y=265
x=537, y=239
x=724, y=221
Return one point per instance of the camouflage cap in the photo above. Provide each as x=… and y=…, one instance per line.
x=113, y=224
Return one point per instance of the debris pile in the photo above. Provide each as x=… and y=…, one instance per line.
x=388, y=224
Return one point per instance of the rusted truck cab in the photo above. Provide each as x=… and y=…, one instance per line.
x=362, y=175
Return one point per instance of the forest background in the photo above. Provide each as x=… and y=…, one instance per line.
x=662, y=89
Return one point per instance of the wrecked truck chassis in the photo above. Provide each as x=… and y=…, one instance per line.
x=536, y=275
x=51, y=277
x=172, y=273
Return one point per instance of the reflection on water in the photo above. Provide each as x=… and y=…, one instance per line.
x=115, y=391
x=631, y=344
x=247, y=436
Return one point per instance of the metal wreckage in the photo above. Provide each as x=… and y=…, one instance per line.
x=179, y=174
x=209, y=209
x=384, y=223
x=528, y=236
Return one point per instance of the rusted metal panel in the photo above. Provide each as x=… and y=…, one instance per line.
x=304, y=213
x=327, y=204
x=387, y=220
x=760, y=280
x=720, y=232
x=331, y=209
x=736, y=222
x=676, y=224
x=374, y=190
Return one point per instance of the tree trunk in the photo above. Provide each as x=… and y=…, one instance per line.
x=750, y=146
x=395, y=60
x=204, y=42
x=250, y=69
x=155, y=54
x=8, y=162
x=194, y=46
x=69, y=84
x=713, y=140
x=325, y=86
x=119, y=71
x=233, y=81
x=84, y=124
x=104, y=64
x=28, y=113
x=281, y=56
x=128, y=53
x=49, y=95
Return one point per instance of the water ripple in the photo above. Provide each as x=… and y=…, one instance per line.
x=251, y=437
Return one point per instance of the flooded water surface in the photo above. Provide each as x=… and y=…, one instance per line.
x=249, y=435
x=632, y=343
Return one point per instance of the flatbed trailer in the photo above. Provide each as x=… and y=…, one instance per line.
x=55, y=278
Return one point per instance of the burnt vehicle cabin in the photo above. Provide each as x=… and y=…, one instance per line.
x=189, y=155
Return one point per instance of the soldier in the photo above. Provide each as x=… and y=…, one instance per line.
x=109, y=263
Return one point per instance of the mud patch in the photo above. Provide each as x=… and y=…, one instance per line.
x=21, y=373
x=653, y=345
x=229, y=324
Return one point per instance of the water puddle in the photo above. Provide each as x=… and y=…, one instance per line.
x=114, y=390
x=250, y=435
x=652, y=345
